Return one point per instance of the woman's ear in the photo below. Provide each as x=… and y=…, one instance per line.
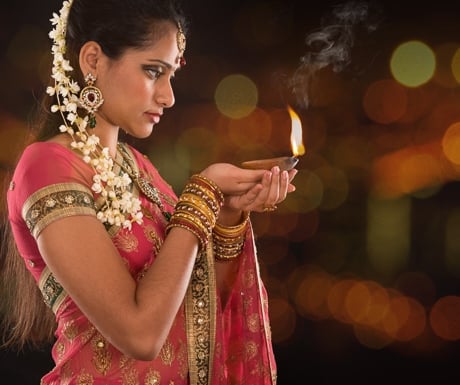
x=90, y=54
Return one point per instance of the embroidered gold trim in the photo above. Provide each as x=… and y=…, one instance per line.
x=52, y=291
x=167, y=353
x=152, y=377
x=85, y=378
x=200, y=311
x=102, y=357
x=56, y=201
x=70, y=330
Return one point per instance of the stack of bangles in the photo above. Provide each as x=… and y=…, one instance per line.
x=228, y=241
x=198, y=208
x=197, y=211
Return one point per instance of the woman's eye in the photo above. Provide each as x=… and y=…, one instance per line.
x=154, y=73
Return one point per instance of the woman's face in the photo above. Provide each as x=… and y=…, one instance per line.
x=137, y=87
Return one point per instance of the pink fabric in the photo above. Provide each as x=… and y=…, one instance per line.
x=243, y=352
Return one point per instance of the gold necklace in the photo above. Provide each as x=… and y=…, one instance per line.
x=151, y=192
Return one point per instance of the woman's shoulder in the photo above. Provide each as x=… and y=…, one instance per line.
x=45, y=150
x=53, y=163
x=43, y=165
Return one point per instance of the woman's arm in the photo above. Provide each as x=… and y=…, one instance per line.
x=136, y=316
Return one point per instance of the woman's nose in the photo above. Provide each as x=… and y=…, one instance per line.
x=165, y=94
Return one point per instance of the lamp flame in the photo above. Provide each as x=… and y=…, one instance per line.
x=296, y=134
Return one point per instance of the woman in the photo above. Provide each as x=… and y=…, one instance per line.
x=145, y=287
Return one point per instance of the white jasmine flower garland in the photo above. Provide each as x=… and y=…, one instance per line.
x=121, y=207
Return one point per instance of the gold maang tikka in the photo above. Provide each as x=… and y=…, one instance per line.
x=91, y=98
x=181, y=43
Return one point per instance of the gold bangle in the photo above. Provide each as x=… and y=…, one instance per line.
x=205, y=194
x=199, y=204
x=193, y=218
x=211, y=186
x=187, y=226
x=197, y=208
x=232, y=231
x=228, y=241
x=227, y=253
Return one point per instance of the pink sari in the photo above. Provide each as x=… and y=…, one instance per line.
x=207, y=344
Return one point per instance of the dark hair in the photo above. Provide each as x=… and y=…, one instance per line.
x=116, y=25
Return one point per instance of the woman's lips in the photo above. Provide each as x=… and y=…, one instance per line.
x=153, y=117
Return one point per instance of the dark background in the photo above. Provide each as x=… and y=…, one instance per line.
x=265, y=40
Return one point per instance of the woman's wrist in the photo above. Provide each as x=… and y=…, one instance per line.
x=229, y=216
x=198, y=208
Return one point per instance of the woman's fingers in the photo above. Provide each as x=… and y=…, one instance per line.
x=273, y=191
x=268, y=195
x=244, y=202
x=284, y=184
x=232, y=179
x=251, y=190
x=276, y=186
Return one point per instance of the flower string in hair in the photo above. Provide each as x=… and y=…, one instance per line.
x=121, y=207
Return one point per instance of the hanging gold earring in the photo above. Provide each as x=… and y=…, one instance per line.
x=91, y=98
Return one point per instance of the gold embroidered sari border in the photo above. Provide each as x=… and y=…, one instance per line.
x=52, y=291
x=56, y=201
x=200, y=310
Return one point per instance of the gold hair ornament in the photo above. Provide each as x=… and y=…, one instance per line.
x=181, y=44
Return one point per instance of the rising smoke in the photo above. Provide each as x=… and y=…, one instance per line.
x=331, y=45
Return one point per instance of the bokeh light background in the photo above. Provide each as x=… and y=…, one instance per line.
x=362, y=262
